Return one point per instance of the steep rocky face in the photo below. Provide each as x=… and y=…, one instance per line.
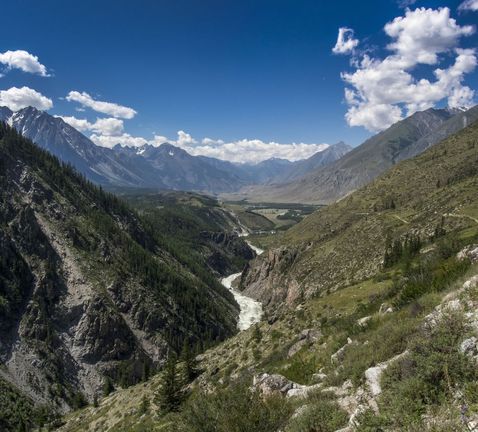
x=321, y=159
x=265, y=279
x=87, y=290
x=457, y=122
x=224, y=249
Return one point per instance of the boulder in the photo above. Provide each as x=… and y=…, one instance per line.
x=362, y=322
x=295, y=348
x=385, y=309
x=306, y=337
x=373, y=375
x=311, y=335
x=470, y=252
x=339, y=355
x=471, y=283
x=302, y=391
x=470, y=346
x=272, y=384
x=319, y=377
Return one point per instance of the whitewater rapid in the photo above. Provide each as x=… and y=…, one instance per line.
x=257, y=250
x=250, y=309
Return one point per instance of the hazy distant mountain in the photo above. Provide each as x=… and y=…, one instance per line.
x=303, y=167
x=276, y=170
x=402, y=140
x=179, y=170
x=265, y=171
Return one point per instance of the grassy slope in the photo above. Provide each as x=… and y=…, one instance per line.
x=386, y=335
x=345, y=242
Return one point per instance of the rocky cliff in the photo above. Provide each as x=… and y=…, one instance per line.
x=266, y=278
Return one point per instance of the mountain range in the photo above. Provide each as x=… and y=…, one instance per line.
x=163, y=167
x=94, y=294
x=322, y=178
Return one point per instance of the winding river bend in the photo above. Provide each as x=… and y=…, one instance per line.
x=250, y=309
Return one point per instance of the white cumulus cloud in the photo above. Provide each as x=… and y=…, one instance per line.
x=471, y=5
x=209, y=141
x=24, y=61
x=345, y=41
x=17, y=98
x=241, y=151
x=374, y=117
x=82, y=125
x=381, y=91
x=103, y=107
x=244, y=150
x=423, y=33
x=185, y=139
x=108, y=126
x=125, y=140
x=103, y=126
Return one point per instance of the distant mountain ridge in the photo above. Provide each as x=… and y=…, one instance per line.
x=176, y=169
x=163, y=167
x=364, y=163
x=303, y=167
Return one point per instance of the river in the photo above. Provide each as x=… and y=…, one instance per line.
x=250, y=309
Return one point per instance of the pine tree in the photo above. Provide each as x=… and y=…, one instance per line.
x=146, y=371
x=169, y=395
x=107, y=386
x=79, y=400
x=257, y=334
x=144, y=406
x=190, y=363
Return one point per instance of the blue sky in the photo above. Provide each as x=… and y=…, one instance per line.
x=226, y=70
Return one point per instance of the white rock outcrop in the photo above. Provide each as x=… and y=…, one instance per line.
x=339, y=355
x=470, y=252
x=373, y=375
